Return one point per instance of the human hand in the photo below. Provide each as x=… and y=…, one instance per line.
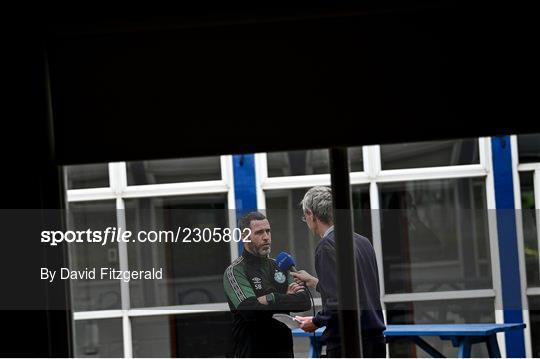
x=306, y=324
x=262, y=300
x=304, y=277
x=295, y=288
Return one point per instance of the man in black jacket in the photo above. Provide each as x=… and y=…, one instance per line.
x=317, y=208
x=256, y=289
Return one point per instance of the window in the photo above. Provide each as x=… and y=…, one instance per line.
x=87, y=176
x=192, y=272
x=529, y=148
x=93, y=294
x=528, y=215
x=534, y=313
x=99, y=338
x=149, y=196
x=308, y=162
x=174, y=170
x=528, y=173
x=435, y=236
x=297, y=163
x=429, y=154
x=361, y=211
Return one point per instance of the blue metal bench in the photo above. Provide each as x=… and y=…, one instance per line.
x=463, y=336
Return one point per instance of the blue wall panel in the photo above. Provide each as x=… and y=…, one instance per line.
x=245, y=186
x=508, y=248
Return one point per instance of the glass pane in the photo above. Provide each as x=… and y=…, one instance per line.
x=290, y=234
x=429, y=154
x=308, y=162
x=356, y=159
x=529, y=228
x=529, y=148
x=93, y=294
x=192, y=272
x=438, y=312
x=180, y=336
x=100, y=338
x=87, y=176
x=534, y=316
x=175, y=170
x=298, y=163
x=361, y=211
x=435, y=235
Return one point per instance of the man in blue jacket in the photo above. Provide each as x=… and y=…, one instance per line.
x=317, y=208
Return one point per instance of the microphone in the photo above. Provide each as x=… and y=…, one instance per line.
x=286, y=262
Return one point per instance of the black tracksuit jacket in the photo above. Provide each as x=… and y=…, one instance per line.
x=255, y=332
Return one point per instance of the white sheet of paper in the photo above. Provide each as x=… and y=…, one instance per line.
x=287, y=320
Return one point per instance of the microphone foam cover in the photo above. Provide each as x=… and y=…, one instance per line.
x=284, y=261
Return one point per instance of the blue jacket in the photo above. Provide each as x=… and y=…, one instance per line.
x=372, y=322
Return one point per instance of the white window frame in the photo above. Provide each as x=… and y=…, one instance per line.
x=118, y=191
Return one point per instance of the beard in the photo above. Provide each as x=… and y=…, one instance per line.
x=261, y=251
x=264, y=251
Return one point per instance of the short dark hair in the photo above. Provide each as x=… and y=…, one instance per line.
x=245, y=221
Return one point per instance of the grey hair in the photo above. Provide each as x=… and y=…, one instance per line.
x=319, y=201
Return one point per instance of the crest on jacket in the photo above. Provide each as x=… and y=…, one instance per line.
x=279, y=277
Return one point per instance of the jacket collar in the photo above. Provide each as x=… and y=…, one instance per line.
x=251, y=258
x=328, y=231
